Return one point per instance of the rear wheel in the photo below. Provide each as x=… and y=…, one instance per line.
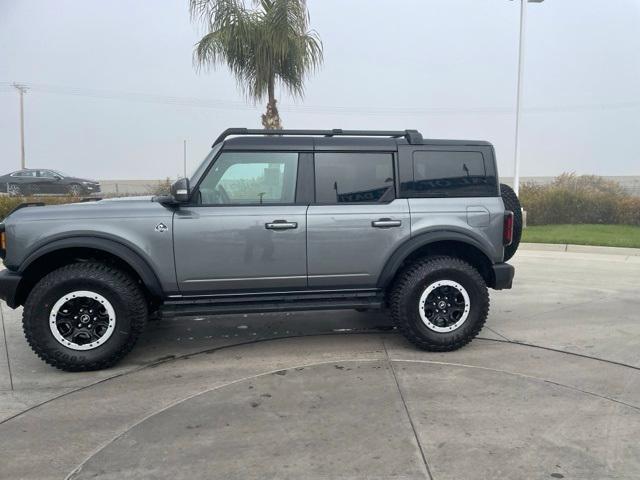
x=440, y=304
x=84, y=316
x=14, y=190
x=511, y=202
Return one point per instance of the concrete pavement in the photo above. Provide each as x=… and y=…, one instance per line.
x=551, y=390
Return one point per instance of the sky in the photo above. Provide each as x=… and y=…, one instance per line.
x=114, y=92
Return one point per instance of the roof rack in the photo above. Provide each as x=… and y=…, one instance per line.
x=412, y=136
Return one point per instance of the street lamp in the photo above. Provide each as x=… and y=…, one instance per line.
x=523, y=19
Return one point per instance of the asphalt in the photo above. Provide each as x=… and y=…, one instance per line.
x=550, y=390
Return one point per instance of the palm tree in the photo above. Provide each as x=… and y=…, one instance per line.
x=262, y=46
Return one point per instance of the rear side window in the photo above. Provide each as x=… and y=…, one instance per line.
x=450, y=174
x=354, y=177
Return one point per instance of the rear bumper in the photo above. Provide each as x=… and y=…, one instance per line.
x=9, y=287
x=503, y=276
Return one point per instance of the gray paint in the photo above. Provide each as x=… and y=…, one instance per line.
x=128, y=221
x=228, y=247
x=344, y=249
x=434, y=214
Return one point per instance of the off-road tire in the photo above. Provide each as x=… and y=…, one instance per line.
x=412, y=282
x=118, y=287
x=511, y=202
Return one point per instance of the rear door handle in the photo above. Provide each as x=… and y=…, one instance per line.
x=386, y=223
x=280, y=225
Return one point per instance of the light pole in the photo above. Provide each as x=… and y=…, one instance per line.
x=22, y=89
x=523, y=21
x=184, y=157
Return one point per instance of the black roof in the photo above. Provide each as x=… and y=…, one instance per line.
x=330, y=139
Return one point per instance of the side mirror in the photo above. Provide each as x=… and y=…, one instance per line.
x=180, y=190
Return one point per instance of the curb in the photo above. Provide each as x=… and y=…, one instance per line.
x=568, y=247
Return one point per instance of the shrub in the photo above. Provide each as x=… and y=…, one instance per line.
x=579, y=199
x=629, y=211
x=161, y=188
x=9, y=203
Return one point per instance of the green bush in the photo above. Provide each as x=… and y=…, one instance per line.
x=572, y=199
x=9, y=203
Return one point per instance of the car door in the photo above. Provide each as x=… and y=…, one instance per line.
x=356, y=221
x=244, y=230
x=46, y=182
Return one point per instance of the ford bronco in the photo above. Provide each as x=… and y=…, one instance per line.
x=272, y=220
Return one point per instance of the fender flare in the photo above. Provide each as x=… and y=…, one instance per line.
x=394, y=262
x=125, y=253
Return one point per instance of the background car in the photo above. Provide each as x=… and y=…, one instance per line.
x=31, y=181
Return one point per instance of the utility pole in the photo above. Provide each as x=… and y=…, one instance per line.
x=184, y=151
x=22, y=89
x=523, y=21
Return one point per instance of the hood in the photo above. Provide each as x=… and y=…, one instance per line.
x=123, y=207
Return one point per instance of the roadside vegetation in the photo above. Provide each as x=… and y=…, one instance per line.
x=584, y=199
x=605, y=235
x=9, y=203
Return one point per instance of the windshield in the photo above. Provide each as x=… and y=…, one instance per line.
x=194, y=178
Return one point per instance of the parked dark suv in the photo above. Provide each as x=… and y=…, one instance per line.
x=272, y=221
x=33, y=181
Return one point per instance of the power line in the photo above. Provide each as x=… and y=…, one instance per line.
x=209, y=103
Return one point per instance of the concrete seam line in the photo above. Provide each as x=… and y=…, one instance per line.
x=224, y=347
x=171, y=358
x=406, y=409
x=6, y=348
x=497, y=333
x=208, y=390
x=565, y=352
x=521, y=375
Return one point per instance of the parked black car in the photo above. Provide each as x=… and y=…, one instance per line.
x=31, y=181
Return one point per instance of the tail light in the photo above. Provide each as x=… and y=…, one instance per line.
x=3, y=241
x=507, y=228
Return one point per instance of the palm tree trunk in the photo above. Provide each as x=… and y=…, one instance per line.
x=271, y=118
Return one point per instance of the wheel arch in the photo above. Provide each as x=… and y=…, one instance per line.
x=82, y=248
x=437, y=243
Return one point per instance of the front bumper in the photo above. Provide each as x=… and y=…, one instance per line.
x=503, y=276
x=9, y=282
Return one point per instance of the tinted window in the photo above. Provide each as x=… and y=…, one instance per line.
x=354, y=177
x=250, y=178
x=450, y=174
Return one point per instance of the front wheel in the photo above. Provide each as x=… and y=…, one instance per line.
x=440, y=304
x=75, y=190
x=84, y=316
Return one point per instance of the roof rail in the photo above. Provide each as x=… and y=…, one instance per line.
x=412, y=136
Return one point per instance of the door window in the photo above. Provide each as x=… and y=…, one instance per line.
x=250, y=178
x=354, y=177
x=449, y=174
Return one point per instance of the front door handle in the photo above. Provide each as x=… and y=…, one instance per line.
x=386, y=223
x=280, y=225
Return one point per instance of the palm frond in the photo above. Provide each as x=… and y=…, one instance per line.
x=260, y=46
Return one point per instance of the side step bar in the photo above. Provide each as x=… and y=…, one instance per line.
x=271, y=303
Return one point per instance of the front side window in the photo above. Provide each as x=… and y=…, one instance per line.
x=250, y=178
x=354, y=177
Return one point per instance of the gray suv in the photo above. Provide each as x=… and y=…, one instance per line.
x=272, y=221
